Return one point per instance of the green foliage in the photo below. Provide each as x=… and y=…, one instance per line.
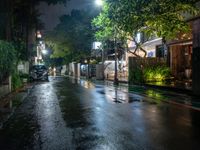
x=72, y=38
x=23, y=75
x=54, y=1
x=21, y=52
x=163, y=18
x=16, y=81
x=104, y=26
x=156, y=73
x=19, y=18
x=136, y=75
x=7, y=59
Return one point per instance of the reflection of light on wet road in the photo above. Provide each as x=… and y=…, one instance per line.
x=116, y=96
x=67, y=114
x=86, y=84
x=157, y=96
x=53, y=131
x=117, y=123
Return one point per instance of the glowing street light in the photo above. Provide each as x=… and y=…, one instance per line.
x=44, y=51
x=39, y=35
x=99, y=2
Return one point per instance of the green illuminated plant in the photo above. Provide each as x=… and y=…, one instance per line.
x=156, y=73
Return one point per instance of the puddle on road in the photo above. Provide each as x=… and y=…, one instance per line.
x=121, y=95
x=127, y=100
x=131, y=100
x=117, y=96
x=101, y=92
x=98, y=86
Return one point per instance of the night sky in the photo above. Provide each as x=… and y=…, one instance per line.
x=50, y=14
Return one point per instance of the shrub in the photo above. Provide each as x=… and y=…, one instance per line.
x=16, y=81
x=24, y=75
x=149, y=74
x=136, y=75
x=156, y=73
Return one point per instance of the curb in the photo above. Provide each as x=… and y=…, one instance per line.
x=169, y=88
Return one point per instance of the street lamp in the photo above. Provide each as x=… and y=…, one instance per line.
x=44, y=51
x=38, y=35
x=99, y=2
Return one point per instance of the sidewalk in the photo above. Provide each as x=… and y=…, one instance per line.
x=177, y=86
x=9, y=103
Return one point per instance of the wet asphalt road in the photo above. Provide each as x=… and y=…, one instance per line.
x=69, y=114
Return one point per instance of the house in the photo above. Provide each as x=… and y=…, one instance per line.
x=183, y=54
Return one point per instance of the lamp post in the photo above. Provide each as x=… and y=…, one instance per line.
x=102, y=59
x=99, y=2
x=115, y=48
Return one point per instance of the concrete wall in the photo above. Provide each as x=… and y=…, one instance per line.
x=99, y=72
x=23, y=67
x=74, y=69
x=64, y=70
x=78, y=70
x=109, y=70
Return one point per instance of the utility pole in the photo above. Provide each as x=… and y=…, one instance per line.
x=115, y=47
x=102, y=64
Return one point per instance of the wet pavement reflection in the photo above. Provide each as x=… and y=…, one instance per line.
x=68, y=113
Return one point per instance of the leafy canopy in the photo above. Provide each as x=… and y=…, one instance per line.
x=164, y=18
x=72, y=37
x=8, y=59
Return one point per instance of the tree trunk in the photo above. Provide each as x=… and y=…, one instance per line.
x=166, y=51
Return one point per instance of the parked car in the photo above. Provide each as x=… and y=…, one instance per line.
x=39, y=72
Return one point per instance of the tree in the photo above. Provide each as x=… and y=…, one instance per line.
x=72, y=37
x=163, y=18
x=19, y=20
x=8, y=59
x=26, y=22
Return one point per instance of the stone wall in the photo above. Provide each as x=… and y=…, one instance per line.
x=99, y=72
